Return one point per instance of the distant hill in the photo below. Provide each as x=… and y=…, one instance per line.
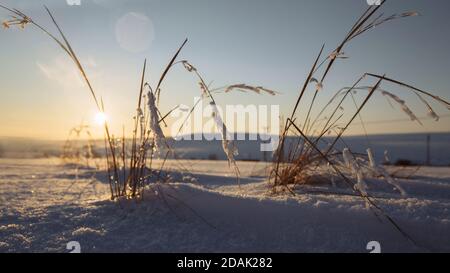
x=410, y=147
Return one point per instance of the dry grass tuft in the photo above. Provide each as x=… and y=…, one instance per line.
x=127, y=173
x=302, y=160
x=310, y=154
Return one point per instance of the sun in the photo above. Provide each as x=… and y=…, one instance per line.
x=100, y=118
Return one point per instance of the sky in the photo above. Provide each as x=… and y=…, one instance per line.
x=258, y=42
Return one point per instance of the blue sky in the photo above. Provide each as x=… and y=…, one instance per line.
x=259, y=42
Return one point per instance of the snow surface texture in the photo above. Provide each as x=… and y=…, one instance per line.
x=44, y=205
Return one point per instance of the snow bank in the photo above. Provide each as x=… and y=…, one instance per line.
x=42, y=213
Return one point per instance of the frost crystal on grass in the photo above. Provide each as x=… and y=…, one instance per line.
x=351, y=163
x=20, y=22
x=245, y=87
x=337, y=55
x=155, y=128
x=331, y=171
x=228, y=145
x=386, y=157
x=379, y=170
x=189, y=67
x=403, y=105
x=431, y=113
x=371, y=159
x=319, y=85
x=141, y=119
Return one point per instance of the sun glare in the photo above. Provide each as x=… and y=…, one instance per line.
x=100, y=118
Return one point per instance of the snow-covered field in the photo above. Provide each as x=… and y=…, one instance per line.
x=45, y=204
